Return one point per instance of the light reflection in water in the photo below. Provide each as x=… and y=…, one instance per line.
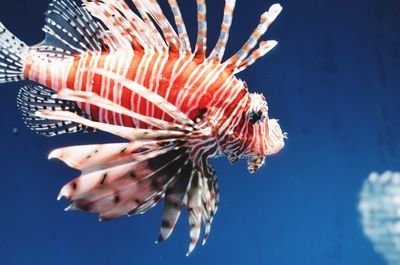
x=380, y=213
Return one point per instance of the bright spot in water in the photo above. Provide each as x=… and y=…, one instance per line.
x=380, y=213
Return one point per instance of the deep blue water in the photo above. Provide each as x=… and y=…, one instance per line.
x=334, y=83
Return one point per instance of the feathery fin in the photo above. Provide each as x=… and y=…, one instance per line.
x=71, y=29
x=37, y=98
x=129, y=185
x=12, y=55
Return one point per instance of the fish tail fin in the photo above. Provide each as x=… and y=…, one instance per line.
x=12, y=54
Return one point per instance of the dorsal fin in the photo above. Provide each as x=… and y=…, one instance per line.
x=180, y=25
x=263, y=49
x=201, y=43
x=149, y=31
x=220, y=48
x=154, y=10
x=266, y=20
x=127, y=28
x=71, y=28
x=37, y=98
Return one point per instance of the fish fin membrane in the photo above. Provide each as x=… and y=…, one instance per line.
x=35, y=98
x=12, y=54
x=131, y=178
x=131, y=181
x=70, y=30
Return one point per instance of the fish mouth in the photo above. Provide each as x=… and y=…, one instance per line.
x=255, y=162
x=274, y=143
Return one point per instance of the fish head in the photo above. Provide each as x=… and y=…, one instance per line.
x=264, y=136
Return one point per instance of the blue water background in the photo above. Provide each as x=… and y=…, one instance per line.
x=334, y=83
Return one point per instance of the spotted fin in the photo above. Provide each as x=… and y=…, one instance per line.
x=12, y=54
x=69, y=30
x=37, y=98
x=197, y=189
x=129, y=185
x=175, y=200
x=131, y=178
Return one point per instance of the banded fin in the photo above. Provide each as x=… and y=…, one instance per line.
x=154, y=10
x=180, y=25
x=220, y=48
x=236, y=61
x=12, y=55
x=138, y=164
x=127, y=28
x=127, y=186
x=175, y=200
x=198, y=190
x=195, y=210
x=131, y=178
x=265, y=47
x=149, y=31
x=201, y=43
x=70, y=30
x=37, y=98
x=122, y=29
x=210, y=197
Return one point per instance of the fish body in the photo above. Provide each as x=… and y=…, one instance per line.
x=134, y=76
x=189, y=83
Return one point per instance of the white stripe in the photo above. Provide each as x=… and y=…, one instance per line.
x=158, y=76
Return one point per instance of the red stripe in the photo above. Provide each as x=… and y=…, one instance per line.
x=164, y=82
x=127, y=93
x=96, y=88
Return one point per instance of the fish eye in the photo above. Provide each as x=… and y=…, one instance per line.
x=256, y=116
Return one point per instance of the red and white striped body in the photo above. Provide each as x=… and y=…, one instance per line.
x=133, y=75
x=197, y=87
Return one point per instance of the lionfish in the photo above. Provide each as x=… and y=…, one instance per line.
x=103, y=66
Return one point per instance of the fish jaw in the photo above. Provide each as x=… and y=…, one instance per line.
x=275, y=141
x=255, y=162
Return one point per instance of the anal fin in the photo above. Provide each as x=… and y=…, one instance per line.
x=35, y=98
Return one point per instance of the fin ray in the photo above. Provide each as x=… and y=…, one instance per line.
x=220, y=48
x=35, y=98
x=104, y=103
x=265, y=21
x=71, y=28
x=12, y=55
x=131, y=134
